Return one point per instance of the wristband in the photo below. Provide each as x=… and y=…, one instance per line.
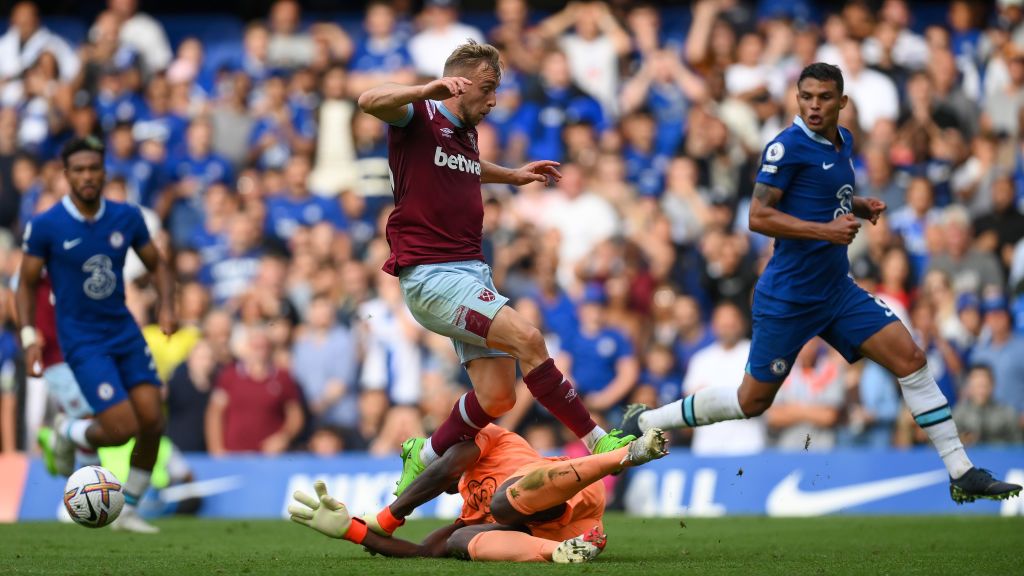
x=29, y=337
x=356, y=531
x=387, y=521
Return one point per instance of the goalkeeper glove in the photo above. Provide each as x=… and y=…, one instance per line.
x=326, y=515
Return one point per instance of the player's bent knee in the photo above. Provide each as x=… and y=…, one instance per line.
x=458, y=543
x=754, y=404
x=502, y=510
x=497, y=404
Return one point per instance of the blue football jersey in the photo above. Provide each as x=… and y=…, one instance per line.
x=817, y=184
x=85, y=259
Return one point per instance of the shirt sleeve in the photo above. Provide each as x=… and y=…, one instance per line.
x=778, y=166
x=35, y=240
x=410, y=110
x=140, y=233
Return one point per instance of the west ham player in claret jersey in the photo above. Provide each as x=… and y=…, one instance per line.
x=435, y=236
x=804, y=199
x=83, y=241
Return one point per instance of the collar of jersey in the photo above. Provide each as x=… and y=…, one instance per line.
x=814, y=135
x=448, y=114
x=73, y=210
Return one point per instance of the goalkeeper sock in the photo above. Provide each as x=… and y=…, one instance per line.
x=136, y=486
x=931, y=412
x=706, y=406
x=511, y=547
x=548, y=486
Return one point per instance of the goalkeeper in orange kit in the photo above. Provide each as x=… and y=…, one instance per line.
x=517, y=505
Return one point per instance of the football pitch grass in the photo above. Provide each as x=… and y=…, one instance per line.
x=926, y=545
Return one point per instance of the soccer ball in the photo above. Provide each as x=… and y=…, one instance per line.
x=93, y=496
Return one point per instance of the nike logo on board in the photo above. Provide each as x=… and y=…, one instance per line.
x=788, y=499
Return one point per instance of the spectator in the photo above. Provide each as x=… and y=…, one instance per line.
x=193, y=173
x=288, y=47
x=593, y=49
x=380, y=55
x=229, y=274
x=584, y=222
x=970, y=270
x=324, y=362
x=143, y=33
x=281, y=131
x=603, y=363
x=27, y=39
x=998, y=231
x=874, y=411
x=722, y=363
x=667, y=88
x=187, y=396
x=334, y=172
x=873, y=93
x=296, y=207
x=442, y=32
x=944, y=362
x=911, y=223
x=1003, y=352
x=230, y=120
x=254, y=406
x=806, y=408
x=979, y=418
x=549, y=103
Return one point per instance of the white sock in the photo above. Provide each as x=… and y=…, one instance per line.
x=591, y=438
x=75, y=431
x=136, y=486
x=427, y=454
x=704, y=407
x=931, y=412
x=668, y=417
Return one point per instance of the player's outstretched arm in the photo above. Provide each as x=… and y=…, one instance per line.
x=538, y=171
x=25, y=299
x=766, y=219
x=437, y=478
x=389, y=101
x=164, y=281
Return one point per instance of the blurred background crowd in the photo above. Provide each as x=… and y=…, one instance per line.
x=240, y=140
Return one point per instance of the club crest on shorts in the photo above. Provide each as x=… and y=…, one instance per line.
x=486, y=295
x=116, y=239
x=105, y=391
x=779, y=367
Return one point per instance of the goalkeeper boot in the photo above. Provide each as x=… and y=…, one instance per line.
x=412, y=465
x=583, y=548
x=651, y=446
x=978, y=483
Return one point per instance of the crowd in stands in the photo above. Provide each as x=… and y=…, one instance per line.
x=258, y=173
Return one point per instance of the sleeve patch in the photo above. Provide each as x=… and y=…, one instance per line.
x=769, y=168
x=775, y=152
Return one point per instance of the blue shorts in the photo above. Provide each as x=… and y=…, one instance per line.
x=781, y=328
x=457, y=300
x=105, y=372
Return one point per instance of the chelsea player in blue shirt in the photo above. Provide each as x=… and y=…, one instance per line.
x=82, y=241
x=804, y=199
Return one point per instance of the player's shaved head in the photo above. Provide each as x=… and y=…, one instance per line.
x=470, y=56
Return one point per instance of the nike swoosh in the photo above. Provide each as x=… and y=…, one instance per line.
x=200, y=489
x=827, y=166
x=787, y=499
x=69, y=244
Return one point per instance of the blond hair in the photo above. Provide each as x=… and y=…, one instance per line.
x=470, y=55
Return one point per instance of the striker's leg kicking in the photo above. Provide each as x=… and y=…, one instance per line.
x=459, y=300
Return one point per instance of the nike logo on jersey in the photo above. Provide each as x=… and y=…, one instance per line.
x=456, y=162
x=827, y=166
x=69, y=244
x=787, y=499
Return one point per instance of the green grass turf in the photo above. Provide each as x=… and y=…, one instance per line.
x=834, y=545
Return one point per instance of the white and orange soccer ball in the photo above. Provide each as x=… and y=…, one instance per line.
x=93, y=496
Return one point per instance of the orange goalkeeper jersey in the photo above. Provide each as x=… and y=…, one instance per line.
x=501, y=454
